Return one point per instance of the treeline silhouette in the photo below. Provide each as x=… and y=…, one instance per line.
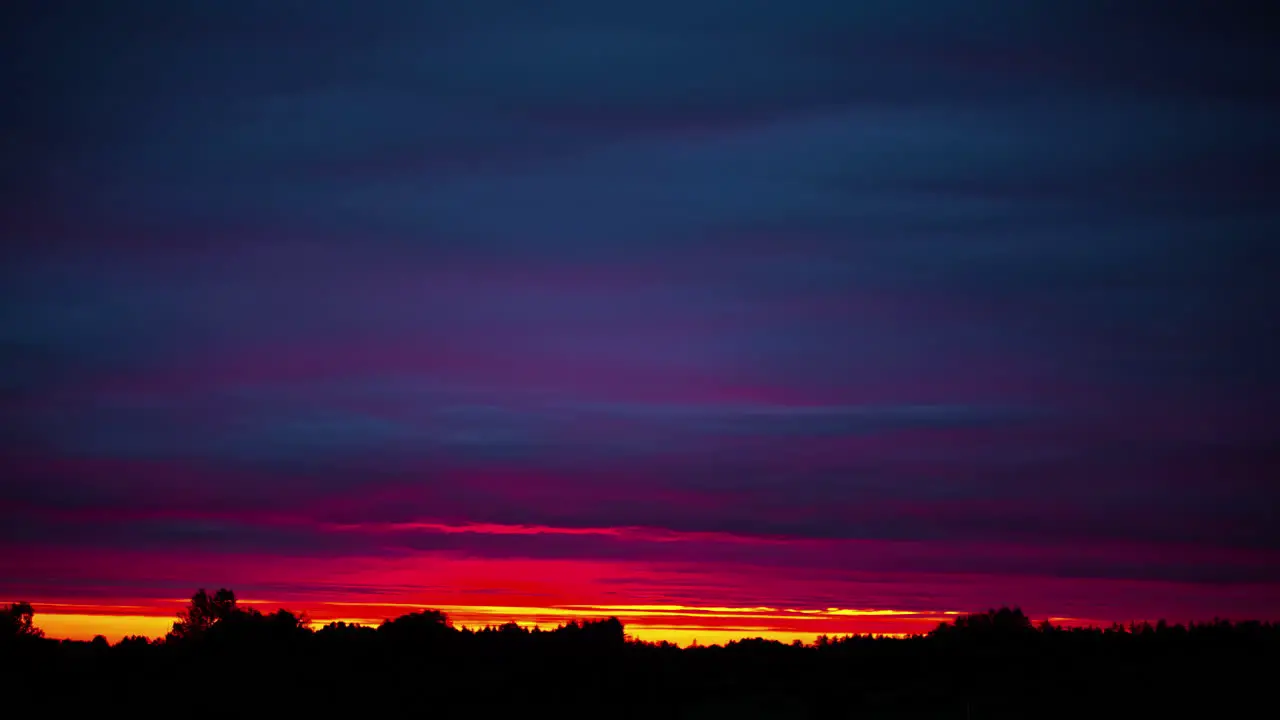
x=223, y=658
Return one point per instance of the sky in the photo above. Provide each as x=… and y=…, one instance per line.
x=730, y=318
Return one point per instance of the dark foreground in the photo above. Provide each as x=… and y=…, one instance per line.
x=232, y=662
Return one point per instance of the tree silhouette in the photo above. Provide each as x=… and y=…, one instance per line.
x=17, y=622
x=989, y=664
x=1005, y=622
x=203, y=612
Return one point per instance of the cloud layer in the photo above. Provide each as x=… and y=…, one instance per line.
x=820, y=300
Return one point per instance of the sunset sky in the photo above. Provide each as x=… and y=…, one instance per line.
x=726, y=317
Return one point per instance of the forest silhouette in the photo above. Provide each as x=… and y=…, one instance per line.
x=223, y=658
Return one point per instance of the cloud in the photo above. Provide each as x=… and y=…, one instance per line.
x=231, y=133
x=310, y=426
x=771, y=555
x=947, y=273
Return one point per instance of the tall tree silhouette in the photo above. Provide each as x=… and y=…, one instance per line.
x=203, y=612
x=17, y=622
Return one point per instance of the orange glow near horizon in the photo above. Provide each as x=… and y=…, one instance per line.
x=655, y=601
x=679, y=624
